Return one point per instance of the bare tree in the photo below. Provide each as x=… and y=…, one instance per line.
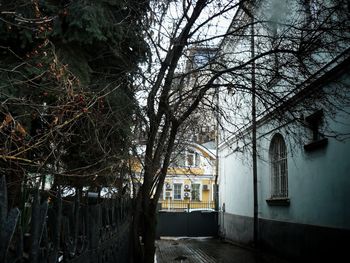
x=192, y=63
x=192, y=60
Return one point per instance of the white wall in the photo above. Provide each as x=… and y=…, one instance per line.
x=318, y=181
x=235, y=183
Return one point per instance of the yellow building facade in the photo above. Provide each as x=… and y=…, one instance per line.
x=190, y=180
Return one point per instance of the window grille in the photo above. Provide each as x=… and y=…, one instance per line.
x=279, y=167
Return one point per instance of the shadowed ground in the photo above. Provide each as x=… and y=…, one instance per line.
x=207, y=250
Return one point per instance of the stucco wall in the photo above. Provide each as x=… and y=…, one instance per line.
x=235, y=183
x=318, y=181
x=316, y=223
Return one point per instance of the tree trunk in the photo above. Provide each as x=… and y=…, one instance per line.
x=149, y=236
x=136, y=253
x=144, y=220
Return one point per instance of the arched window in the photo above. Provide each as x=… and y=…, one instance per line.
x=279, y=168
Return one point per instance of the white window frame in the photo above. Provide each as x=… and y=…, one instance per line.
x=279, y=167
x=174, y=193
x=187, y=158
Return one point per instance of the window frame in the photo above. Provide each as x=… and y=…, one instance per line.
x=278, y=160
x=176, y=193
x=162, y=195
x=190, y=158
x=193, y=190
x=314, y=123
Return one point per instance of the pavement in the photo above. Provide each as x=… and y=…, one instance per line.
x=207, y=250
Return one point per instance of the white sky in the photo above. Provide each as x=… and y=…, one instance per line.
x=164, y=31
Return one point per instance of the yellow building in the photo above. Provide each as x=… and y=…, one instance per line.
x=190, y=180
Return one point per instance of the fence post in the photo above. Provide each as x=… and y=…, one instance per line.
x=3, y=200
x=38, y=221
x=94, y=227
x=76, y=220
x=8, y=221
x=57, y=232
x=34, y=228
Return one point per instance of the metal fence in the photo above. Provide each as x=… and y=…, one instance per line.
x=185, y=205
x=57, y=230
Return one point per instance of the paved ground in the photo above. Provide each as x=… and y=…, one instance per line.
x=207, y=250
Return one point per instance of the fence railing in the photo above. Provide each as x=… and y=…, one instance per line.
x=185, y=205
x=56, y=230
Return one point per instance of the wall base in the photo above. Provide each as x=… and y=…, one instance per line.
x=299, y=242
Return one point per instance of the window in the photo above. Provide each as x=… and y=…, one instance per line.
x=313, y=10
x=275, y=23
x=197, y=161
x=161, y=196
x=177, y=191
x=314, y=123
x=274, y=59
x=195, y=193
x=179, y=160
x=202, y=57
x=190, y=158
x=193, y=158
x=182, y=160
x=279, y=168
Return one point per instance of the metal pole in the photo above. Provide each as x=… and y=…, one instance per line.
x=255, y=172
x=216, y=188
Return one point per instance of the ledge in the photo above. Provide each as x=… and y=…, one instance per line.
x=278, y=201
x=316, y=145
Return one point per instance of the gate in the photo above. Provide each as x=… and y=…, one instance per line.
x=192, y=224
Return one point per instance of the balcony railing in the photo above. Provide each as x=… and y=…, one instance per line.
x=185, y=205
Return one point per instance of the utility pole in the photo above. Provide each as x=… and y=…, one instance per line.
x=255, y=172
x=216, y=193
